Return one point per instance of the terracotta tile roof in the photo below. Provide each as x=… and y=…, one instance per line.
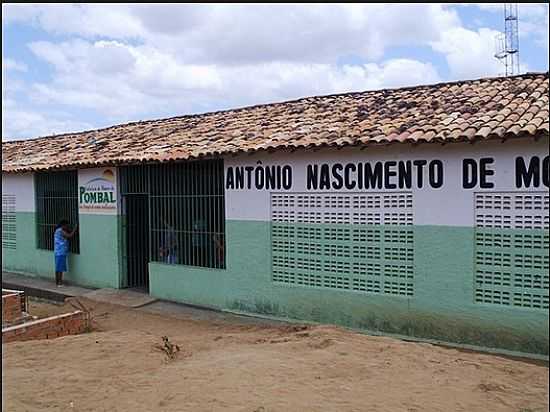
x=495, y=108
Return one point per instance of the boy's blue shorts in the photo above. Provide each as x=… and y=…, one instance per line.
x=61, y=263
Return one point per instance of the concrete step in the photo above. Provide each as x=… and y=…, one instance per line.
x=123, y=297
x=40, y=287
x=47, y=289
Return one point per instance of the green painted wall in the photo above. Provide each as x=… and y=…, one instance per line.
x=442, y=307
x=97, y=265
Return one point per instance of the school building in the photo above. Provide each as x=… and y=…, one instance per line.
x=420, y=211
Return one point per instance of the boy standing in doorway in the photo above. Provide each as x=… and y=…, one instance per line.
x=61, y=238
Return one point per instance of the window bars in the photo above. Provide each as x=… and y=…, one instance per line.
x=56, y=199
x=186, y=210
x=188, y=214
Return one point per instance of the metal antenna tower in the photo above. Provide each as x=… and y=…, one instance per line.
x=507, y=43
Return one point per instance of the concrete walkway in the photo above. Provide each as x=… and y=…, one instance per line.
x=40, y=287
x=188, y=312
x=47, y=289
x=123, y=297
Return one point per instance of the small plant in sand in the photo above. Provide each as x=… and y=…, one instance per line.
x=170, y=350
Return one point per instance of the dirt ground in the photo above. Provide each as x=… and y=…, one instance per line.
x=225, y=364
x=43, y=308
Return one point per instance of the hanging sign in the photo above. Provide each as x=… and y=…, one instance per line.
x=97, y=192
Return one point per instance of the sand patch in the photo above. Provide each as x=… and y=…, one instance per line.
x=229, y=366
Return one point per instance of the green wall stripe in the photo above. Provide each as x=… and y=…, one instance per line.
x=97, y=265
x=443, y=306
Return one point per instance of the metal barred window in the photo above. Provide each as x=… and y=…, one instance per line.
x=56, y=199
x=187, y=214
x=173, y=213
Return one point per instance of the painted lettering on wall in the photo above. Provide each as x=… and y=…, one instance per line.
x=533, y=172
x=380, y=175
x=98, y=193
x=259, y=177
x=530, y=172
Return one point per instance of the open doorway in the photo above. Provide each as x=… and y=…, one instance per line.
x=135, y=227
x=137, y=240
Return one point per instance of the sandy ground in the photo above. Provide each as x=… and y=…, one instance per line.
x=225, y=364
x=43, y=308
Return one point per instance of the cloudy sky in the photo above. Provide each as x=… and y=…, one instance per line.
x=76, y=67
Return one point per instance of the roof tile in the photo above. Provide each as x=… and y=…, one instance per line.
x=468, y=110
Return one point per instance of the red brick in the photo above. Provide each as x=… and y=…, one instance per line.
x=61, y=325
x=11, y=306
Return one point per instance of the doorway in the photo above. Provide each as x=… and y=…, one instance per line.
x=137, y=240
x=135, y=227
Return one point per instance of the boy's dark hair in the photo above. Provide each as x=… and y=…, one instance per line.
x=62, y=223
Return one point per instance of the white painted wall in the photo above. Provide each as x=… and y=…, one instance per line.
x=449, y=205
x=22, y=186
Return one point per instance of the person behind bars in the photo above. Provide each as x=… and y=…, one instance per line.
x=61, y=238
x=169, y=244
x=199, y=241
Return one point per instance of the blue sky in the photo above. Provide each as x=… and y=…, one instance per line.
x=76, y=67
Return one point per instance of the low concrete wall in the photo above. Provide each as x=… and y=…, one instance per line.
x=55, y=326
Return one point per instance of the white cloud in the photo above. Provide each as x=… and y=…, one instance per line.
x=242, y=34
x=138, y=80
x=469, y=54
x=84, y=20
x=131, y=62
x=247, y=34
x=532, y=20
x=101, y=57
x=525, y=10
x=10, y=64
x=195, y=57
x=20, y=123
x=403, y=72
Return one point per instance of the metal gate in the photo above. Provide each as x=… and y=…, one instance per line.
x=173, y=214
x=137, y=240
x=134, y=183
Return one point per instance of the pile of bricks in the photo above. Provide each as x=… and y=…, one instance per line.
x=55, y=326
x=13, y=307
